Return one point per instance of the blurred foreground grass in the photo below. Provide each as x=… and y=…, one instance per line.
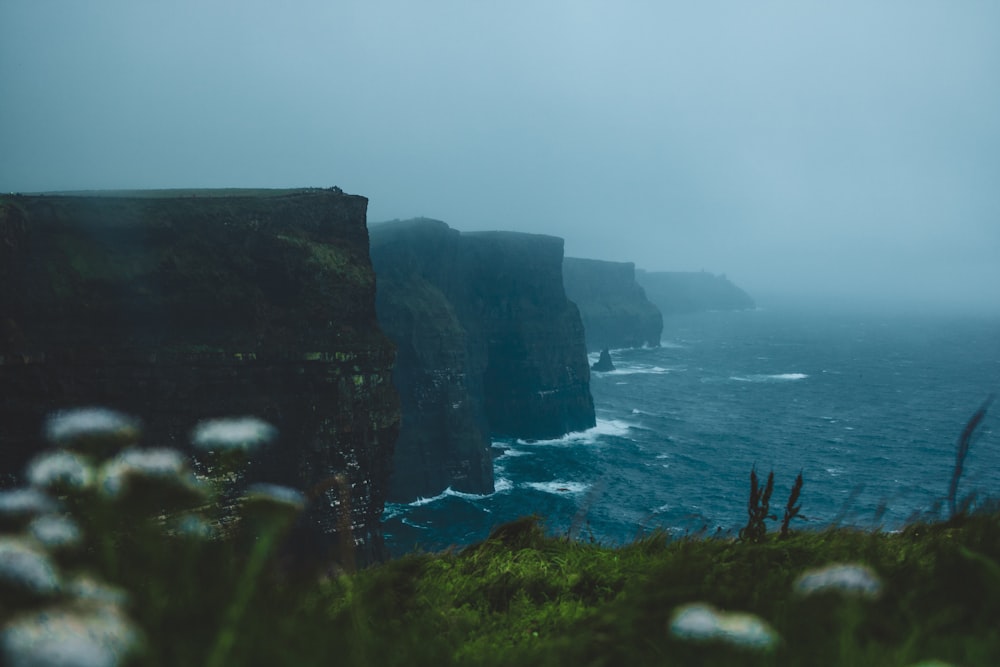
x=151, y=580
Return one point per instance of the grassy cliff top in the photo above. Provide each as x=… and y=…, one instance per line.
x=168, y=193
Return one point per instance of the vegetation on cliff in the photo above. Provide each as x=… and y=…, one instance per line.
x=182, y=305
x=141, y=573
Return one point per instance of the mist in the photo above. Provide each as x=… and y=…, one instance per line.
x=844, y=153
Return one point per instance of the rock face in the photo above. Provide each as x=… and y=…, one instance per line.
x=488, y=343
x=179, y=306
x=614, y=308
x=676, y=292
x=604, y=363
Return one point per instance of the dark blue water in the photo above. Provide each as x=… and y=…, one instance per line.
x=868, y=406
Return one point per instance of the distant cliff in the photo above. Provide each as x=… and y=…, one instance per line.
x=178, y=306
x=488, y=343
x=676, y=292
x=614, y=308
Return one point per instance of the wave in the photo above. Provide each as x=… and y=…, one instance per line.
x=500, y=484
x=558, y=487
x=604, y=428
x=774, y=377
x=639, y=369
x=508, y=452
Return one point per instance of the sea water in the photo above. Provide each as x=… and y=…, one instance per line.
x=867, y=406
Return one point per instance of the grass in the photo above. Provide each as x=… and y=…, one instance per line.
x=526, y=597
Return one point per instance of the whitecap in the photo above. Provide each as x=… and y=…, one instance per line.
x=640, y=369
x=392, y=510
x=512, y=453
x=500, y=484
x=604, y=428
x=769, y=377
x=558, y=487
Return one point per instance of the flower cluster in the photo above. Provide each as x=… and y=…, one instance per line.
x=86, y=497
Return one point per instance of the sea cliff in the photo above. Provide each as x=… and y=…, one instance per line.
x=489, y=346
x=614, y=308
x=177, y=306
x=677, y=292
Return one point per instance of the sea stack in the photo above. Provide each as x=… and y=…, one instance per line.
x=603, y=365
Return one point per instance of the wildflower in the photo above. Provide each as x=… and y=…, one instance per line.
x=26, y=570
x=194, y=527
x=93, y=429
x=19, y=506
x=85, y=588
x=55, y=532
x=61, y=472
x=702, y=622
x=69, y=637
x=850, y=580
x=235, y=437
x=695, y=621
x=271, y=502
x=161, y=477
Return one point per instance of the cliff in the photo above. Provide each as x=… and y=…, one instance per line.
x=488, y=343
x=179, y=306
x=676, y=292
x=614, y=308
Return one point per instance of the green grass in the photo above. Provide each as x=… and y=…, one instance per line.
x=526, y=597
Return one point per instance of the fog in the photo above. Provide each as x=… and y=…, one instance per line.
x=843, y=152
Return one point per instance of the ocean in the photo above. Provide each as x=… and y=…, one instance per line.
x=867, y=406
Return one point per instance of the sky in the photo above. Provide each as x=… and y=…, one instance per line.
x=843, y=152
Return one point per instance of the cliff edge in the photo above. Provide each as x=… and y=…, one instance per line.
x=614, y=308
x=677, y=292
x=176, y=306
x=489, y=345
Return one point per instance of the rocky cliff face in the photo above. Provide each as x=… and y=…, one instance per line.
x=179, y=306
x=676, y=292
x=489, y=345
x=614, y=308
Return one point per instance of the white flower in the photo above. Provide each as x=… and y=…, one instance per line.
x=851, y=580
x=19, y=506
x=243, y=433
x=93, y=427
x=26, y=569
x=276, y=495
x=272, y=503
x=695, y=621
x=195, y=527
x=60, y=471
x=160, y=472
x=702, y=622
x=87, y=589
x=65, y=637
x=54, y=531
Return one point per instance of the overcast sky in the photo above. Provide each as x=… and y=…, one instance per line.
x=851, y=149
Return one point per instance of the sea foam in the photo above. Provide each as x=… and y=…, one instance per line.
x=604, y=428
x=558, y=487
x=772, y=377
